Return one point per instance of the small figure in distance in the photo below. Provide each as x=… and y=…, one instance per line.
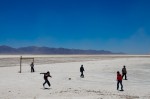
x=119, y=81
x=46, y=75
x=124, y=72
x=32, y=67
x=81, y=70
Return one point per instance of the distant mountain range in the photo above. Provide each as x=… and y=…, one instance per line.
x=47, y=50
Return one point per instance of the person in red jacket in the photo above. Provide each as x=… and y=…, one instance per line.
x=119, y=81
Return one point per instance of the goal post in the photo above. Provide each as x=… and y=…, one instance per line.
x=25, y=58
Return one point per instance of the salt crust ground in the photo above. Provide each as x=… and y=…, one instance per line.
x=99, y=81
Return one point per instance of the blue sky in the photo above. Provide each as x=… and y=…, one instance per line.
x=114, y=25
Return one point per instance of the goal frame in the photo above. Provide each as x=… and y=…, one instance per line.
x=24, y=58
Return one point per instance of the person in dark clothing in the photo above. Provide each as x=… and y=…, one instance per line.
x=46, y=75
x=119, y=81
x=81, y=70
x=32, y=67
x=124, y=72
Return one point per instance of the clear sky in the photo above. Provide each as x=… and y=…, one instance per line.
x=114, y=25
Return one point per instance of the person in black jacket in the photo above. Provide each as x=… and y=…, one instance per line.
x=32, y=67
x=46, y=75
x=81, y=70
x=124, y=72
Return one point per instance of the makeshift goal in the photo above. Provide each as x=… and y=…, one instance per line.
x=25, y=58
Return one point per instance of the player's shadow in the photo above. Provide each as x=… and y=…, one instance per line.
x=46, y=88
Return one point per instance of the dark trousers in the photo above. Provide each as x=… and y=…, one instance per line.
x=124, y=74
x=119, y=82
x=46, y=81
x=82, y=75
x=32, y=69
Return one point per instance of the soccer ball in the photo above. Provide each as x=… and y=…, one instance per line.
x=69, y=78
